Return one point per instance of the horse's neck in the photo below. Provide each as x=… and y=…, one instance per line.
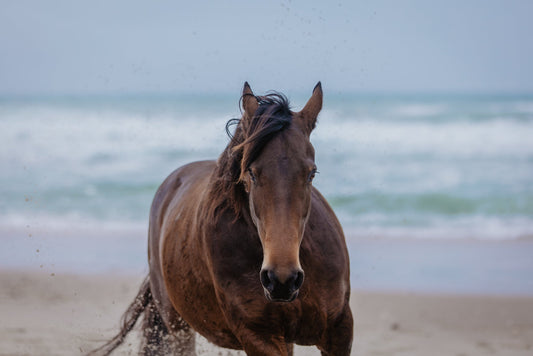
x=223, y=198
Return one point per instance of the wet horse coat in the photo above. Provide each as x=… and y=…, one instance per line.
x=244, y=250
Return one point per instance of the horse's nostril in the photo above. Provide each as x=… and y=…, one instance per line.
x=281, y=291
x=266, y=279
x=299, y=280
x=296, y=280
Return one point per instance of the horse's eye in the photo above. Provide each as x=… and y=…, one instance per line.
x=252, y=176
x=312, y=175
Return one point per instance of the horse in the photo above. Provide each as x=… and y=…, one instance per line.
x=244, y=250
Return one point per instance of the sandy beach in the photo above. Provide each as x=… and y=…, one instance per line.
x=60, y=314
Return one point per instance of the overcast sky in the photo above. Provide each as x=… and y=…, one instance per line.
x=70, y=47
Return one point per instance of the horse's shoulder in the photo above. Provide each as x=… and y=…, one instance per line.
x=323, y=219
x=324, y=245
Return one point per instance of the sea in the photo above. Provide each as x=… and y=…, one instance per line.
x=81, y=170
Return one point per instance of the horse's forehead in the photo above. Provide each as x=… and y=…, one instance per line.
x=290, y=146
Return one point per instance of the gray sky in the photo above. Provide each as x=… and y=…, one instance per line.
x=205, y=46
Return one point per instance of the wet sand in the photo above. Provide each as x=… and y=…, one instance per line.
x=59, y=314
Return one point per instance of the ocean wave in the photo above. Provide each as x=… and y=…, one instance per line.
x=476, y=227
x=495, y=138
x=50, y=222
x=440, y=163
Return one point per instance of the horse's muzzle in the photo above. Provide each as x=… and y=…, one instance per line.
x=277, y=291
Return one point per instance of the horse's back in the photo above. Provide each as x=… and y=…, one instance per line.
x=180, y=183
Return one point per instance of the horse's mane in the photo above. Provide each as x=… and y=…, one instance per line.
x=251, y=135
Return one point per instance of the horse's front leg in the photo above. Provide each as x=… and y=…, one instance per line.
x=255, y=345
x=290, y=349
x=339, y=336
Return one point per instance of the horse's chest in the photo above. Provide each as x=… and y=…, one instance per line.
x=304, y=324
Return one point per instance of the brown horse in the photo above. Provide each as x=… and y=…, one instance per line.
x=230, y=241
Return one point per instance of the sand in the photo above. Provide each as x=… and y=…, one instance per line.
x=57, y=314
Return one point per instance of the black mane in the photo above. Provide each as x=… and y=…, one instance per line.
x=250, y=137
x=272, y=116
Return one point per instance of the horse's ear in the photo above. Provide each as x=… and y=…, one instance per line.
x=311, y=110
x=249, y=101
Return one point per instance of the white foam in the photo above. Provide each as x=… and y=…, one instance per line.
x=477, y=227
x=415, y=110
x=498, y=137
x=65, y=137
x=47, y=221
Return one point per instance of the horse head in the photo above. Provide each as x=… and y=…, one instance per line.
x=277, y=170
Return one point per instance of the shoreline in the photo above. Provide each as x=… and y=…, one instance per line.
x=69, y=314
